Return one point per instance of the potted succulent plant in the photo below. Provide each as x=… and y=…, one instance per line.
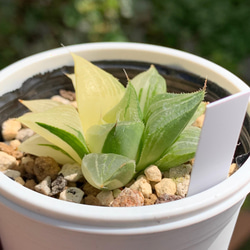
x=116, y=132
x=202, y=221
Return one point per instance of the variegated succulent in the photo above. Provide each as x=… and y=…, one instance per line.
x=116, y=131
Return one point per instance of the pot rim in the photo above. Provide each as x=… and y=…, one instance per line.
x=171, y=215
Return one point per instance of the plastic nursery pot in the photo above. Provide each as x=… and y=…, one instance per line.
x=29, y=220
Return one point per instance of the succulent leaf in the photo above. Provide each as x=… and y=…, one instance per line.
x=96, y=136
x=73, y=79
x=127, y=109
x=107, y=171
x=63, y=121
x=164, y=124
x=147, y=85
x=124, y=139
x=200, y=110
x=39, y=146
x=40, y=105
x=96, y=92
x=182, y=150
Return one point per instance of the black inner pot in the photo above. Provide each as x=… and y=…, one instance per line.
x=49, y=84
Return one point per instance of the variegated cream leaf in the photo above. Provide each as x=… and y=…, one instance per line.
x=97, y=92
x=73, y=79
x=39, y=146
x=127, y=109
x=62, y=127
x=40, y=105
x=96, y=136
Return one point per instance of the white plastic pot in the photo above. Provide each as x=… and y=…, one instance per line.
x=31, y=221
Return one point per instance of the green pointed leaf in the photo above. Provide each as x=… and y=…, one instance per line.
x=124, y=139
x=40, y=105
x=182, y=150
x=163, y=101
x=107, y=171
x=200, y=110
x=147, y=85
x=97, y=92
x=60, y=126
x=127, y=109
x=37, y=145
x=165, y=123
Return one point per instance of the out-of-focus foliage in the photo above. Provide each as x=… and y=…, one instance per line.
x=216, y=30
x=31, y=26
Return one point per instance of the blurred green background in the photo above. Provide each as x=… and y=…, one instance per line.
x=216, y=30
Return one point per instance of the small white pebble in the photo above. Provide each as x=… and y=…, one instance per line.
x=180, y=171
x=145, y=189
x=136, y=184
x=165, y=186
x=71, y=172
x=153, y=173
x=10, y=128
x=6, y=161
x=24, y=134
x=72, y=194
x=142, y=176
x=105, y=197
x=182, y=184
x=233, y=168
x=20, y=180
x=44, y=186
x=14, y=143
x=13, y=174
x=60, y=99
x=143, y=186
x=199, y=121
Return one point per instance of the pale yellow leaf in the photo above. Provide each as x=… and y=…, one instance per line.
x=96, y=92
x=73, y=79
x=63, y=117
x=40, y=105
x=37, y=145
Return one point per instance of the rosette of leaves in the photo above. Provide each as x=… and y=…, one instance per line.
x=116, y=131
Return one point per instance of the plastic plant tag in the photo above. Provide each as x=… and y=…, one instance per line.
x=219, y=136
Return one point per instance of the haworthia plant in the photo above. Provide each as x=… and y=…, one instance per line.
x=116, y=132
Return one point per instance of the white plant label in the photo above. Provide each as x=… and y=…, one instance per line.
x=218, y=140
